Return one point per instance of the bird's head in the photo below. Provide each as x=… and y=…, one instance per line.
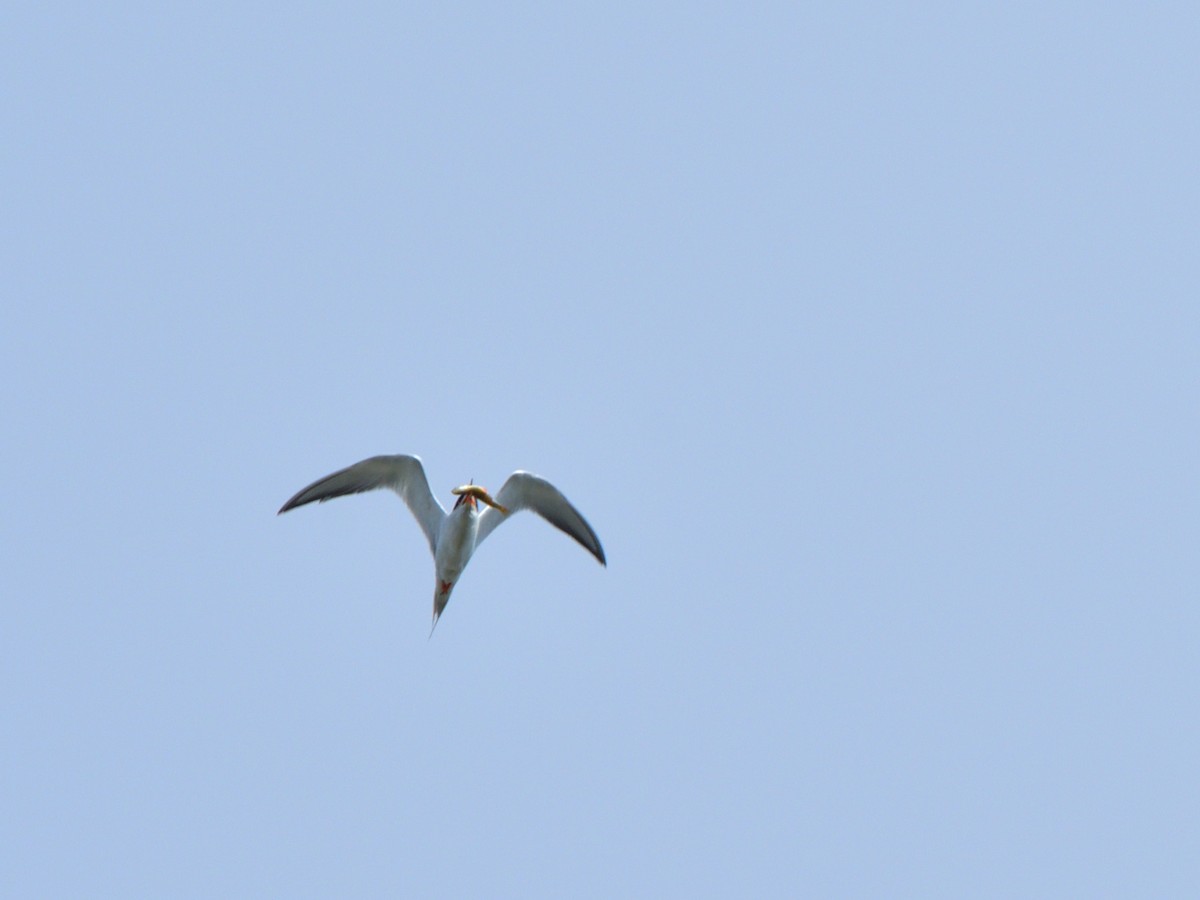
x=470, y=493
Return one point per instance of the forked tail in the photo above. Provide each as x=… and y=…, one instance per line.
x=441, y=596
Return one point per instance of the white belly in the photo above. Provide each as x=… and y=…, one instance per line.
x=456, y=543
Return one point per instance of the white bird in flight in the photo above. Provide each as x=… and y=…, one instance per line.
x=453, y=536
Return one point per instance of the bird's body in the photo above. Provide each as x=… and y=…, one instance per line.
x=453, y=536
x=456, y=544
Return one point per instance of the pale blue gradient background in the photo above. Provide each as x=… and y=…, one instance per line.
x=865, y=335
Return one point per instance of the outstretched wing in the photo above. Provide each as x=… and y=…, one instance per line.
x=403, y=474
x=526, y=491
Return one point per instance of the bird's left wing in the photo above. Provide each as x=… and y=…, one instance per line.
x=526, y=491
x=403, y=474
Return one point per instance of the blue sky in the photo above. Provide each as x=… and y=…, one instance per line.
x=864, y=336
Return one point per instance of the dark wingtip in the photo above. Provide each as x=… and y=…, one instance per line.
x=295, y=502
x=291, y=504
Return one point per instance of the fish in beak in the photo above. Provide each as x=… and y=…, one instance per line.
x=472, y=492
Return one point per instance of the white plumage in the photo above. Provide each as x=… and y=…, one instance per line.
x=453, y=536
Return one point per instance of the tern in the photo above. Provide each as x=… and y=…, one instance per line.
x=455, y=535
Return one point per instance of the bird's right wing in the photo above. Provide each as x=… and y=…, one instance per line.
x=403, y=474
x=525, y=491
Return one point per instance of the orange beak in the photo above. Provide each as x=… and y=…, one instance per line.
x=477, y=492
